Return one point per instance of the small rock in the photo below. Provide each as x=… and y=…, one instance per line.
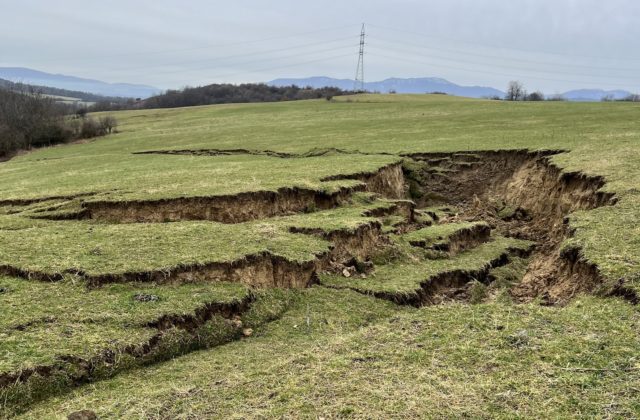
x=82, y=415
x=247, y=332
x=363, y=276
x=237, y=323
x=346, y=273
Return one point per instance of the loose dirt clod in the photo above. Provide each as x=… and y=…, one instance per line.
x=146, y=298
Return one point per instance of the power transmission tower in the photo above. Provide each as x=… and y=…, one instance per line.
x=359, y=82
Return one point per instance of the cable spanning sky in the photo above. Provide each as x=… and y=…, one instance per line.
x=550, y=45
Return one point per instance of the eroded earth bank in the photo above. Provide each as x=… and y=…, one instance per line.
x=428, y=229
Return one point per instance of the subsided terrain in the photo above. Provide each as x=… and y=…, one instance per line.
x=370, y=256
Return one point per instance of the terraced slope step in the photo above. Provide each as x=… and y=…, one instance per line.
x=281, y=251
x=436, y=213
x=415, y=280
x=57, y=335
x=451, y=238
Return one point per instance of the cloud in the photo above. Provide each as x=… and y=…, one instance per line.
x=549, y=45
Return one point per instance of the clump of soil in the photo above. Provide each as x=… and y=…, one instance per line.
x=143, y=297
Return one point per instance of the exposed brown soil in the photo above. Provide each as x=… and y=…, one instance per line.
x=360, y=243
x=479, y=185
x=403, y=208
x=271, y=153
x=256, y=270
x=217, y=152
x=482, y=186
x=444, y=286
x=237, y=208
x=388, y=181
x=541, y=196
x=461, y=240
x=265, y=269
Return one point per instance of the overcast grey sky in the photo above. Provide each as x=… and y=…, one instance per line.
x=552, y=45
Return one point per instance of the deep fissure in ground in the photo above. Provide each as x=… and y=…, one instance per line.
x=523, y=195
x=514, y=193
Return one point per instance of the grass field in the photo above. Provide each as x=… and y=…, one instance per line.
x=411, y=310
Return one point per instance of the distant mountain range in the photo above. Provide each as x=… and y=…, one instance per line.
x=39, y=78
x=413, y=85
x=61, y=95
x=595, y=94
x=399, y=85
x=435, y=84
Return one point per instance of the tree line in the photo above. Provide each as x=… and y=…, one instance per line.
x=48, y=90
x=517, y=92
x=29, y=119
x=224, y=94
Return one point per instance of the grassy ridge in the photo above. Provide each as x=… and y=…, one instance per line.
x=353, y=355
x=94, y=248
x=338, y=353
x=127, y=177
x=601, y=138
x=42, y=321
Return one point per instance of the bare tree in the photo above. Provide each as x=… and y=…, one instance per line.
x=108, y=124
x=31, y=119
x=515, y=91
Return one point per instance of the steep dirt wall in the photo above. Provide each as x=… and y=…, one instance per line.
x=433, y=289
x=544, y=190
x=225, y=209
x=387, y=181
x=546, y=194
x=258, y=270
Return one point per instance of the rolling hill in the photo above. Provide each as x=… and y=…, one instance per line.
x=399, y=85
x=39, y=78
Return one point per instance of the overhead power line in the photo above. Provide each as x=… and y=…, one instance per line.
x=495, y=47
x=242, y=73
x=139, y=53
x=502, y=66
x=244, y=55
x=383, y=47
x=449, y=51
x=244, y=63
x=475, y=70
x=358, y=84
